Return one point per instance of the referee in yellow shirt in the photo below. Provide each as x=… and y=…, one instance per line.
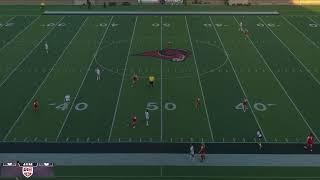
x=151, y=80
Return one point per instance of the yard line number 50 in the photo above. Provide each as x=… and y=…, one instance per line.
x=169, y=106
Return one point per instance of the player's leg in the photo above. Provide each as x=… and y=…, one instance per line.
x=202, y=157
x=36, y=108
x=133, y=83
x=260, y=143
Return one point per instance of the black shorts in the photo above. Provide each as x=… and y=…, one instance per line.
x=151, y=82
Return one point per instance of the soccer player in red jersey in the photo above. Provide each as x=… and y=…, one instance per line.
x=310, y=142
x=197, y=103
x=202, y=152
x=134, y=122
x=245, y=105
x=135, y=78
x=36, y=106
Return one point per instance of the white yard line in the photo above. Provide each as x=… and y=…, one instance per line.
x=84, y=78
x=195, y=62
x=244, y=93
x=43, y=82
x=14, y=38
x=123, y=76
x=280, y=84
x=303, y=34
x=285, y=45
x=161, y=87
x=30, y=52
x=8, y=21
x=313, y=21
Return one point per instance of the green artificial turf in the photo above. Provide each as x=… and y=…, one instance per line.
x=276, y=68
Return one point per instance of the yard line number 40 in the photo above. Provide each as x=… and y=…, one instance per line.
x=257, y=106
x=81, y=106
x=6, y=24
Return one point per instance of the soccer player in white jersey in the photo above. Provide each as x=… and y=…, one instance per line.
x=46, y=47
x=259, y=136
x=98, y=72
x=147, y=116
x=67, y=98
x=192, y=152
x=240, y=27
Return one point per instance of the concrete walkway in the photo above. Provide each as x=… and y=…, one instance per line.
x=140, y=159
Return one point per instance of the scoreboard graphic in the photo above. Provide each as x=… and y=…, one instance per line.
x=27, y=170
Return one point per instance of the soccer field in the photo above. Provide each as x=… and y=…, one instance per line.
x=276, y=68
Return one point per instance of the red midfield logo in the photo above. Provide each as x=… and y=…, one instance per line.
x=176, y=55
x=27, y=171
